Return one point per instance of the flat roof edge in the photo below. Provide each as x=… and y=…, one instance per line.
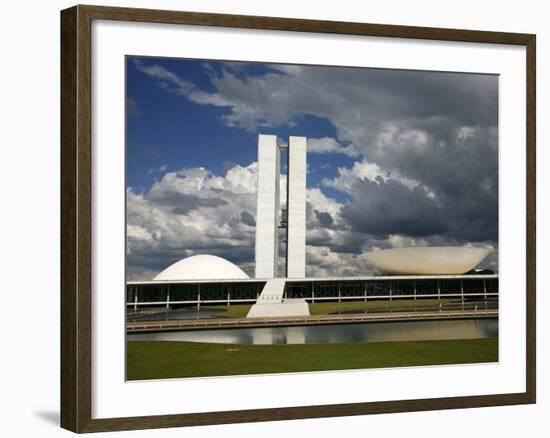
x=366, y=278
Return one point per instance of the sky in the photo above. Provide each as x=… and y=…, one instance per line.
x=395, y=158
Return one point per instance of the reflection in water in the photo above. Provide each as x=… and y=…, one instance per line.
x=328, y=334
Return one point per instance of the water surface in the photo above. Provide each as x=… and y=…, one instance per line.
x=335, y=333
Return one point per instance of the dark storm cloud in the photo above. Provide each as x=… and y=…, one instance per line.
x=320, y=237
x=467, y=99
x=324, y=218
x=248, y=219
x=350, y=242
x=353, y=96
x=460, y=166
x=387, y=207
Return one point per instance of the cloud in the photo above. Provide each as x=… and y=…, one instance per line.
x=248, y=219
x=388, y=207
x=192, y=211
x=324, y=218
x=132, y=108
x=348, y=176
x=166, y=78
x=327, y=145
x=157, y=170
x=357, y=101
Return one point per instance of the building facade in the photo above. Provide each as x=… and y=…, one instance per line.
x=460, y=287
x=270, y=218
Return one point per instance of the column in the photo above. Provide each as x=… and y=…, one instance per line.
x=267, y=211
x=296, y=207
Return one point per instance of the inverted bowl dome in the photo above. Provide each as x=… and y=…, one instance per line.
x=430, y=260
x=202, y=267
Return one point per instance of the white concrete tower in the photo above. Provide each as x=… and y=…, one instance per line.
x=296, y=208
x=267, y=213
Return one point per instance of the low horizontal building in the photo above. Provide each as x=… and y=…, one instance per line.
x=197, y=292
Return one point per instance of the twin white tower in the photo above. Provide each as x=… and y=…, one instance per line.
x=270, y=217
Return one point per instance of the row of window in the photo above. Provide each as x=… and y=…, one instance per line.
x=310, y=290
x=151, y=293
x=390, y=287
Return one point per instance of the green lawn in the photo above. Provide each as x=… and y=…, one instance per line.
x=323, y=308
x=331, y=307
x=164, y=359
x=232, y=311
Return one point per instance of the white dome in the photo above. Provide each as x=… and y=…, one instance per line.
x=431, y=260
x=202, y=267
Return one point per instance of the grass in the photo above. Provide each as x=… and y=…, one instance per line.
x=331, y=307
x=323, y=308
x=165, y=359
x=232, y=311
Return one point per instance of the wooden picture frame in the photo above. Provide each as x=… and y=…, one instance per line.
x=76, y=217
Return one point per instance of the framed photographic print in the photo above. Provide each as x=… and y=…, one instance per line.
x=268, y=218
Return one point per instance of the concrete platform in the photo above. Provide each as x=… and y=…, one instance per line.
x=286, y=308
x=271, y=303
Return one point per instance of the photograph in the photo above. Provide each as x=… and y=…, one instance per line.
x=296, y=218
x=267, y=217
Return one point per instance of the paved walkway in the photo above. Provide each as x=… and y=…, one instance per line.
x=201, y=324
